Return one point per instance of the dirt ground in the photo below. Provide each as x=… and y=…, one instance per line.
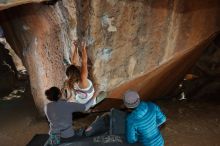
x=189, y=123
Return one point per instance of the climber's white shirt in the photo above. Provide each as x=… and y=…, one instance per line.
x=82, y=95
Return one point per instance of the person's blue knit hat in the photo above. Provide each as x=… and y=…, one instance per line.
x=131, y=99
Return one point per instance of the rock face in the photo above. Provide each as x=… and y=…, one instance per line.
x=143, y=45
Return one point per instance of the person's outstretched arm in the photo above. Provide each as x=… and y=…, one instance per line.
x=75, y=57
x=84, y=72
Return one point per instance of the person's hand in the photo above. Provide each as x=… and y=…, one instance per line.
x=75, y=43
x=84, y=53
x=75, y=57
x=83, y=44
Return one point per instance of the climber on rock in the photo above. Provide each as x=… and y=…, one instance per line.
x=78, y=88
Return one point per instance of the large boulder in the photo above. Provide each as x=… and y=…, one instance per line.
x=133, y=44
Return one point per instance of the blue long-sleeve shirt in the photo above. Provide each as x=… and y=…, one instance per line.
x=142, y=125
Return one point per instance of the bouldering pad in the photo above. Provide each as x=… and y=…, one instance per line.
x=104, y=140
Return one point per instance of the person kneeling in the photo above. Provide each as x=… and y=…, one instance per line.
x=142, y=124
x=59, y=114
